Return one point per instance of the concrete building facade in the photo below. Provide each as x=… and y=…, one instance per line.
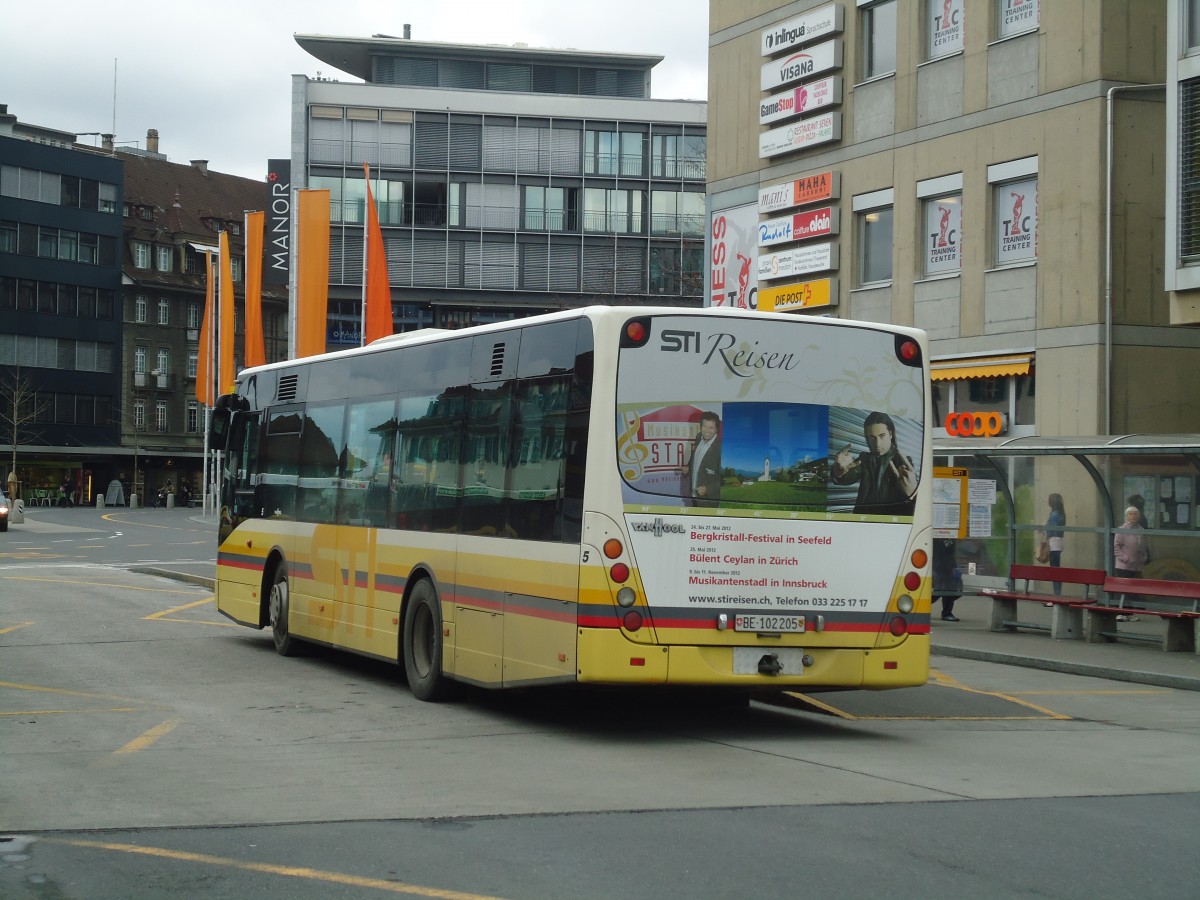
x=509, y=180
x=1000, y=170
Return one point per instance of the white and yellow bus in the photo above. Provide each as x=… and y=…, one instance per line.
x=609, y=495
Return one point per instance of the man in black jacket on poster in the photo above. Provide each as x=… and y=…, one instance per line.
x=702, y=473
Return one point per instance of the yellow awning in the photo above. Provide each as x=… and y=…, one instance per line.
x=982, y=367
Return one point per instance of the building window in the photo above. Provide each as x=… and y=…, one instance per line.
x=678, y=156
x=943, y=234
x=873, y=233
x=944, y=26
x=164, y=362
x=107, y=199
x=1189, y=171
x=139, y=309
x=677, y=213
x=160, y=416
x=141, y=254
x=193, y=315
x=193, y=363
x=193, y=417
x=614, y=153
x=164, y=311
x=613, y=211
x=549, y=209
x=1014, y=205
x=879, y=38
x=139, y=415
x=163, y=261
x=139, y=361
x=1015, y=17
x=235, y=265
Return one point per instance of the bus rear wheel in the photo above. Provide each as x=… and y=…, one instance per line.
x=423, y=643
x=279, y=611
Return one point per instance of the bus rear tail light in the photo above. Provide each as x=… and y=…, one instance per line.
x=898, y=626
x=613, y=548
x=636, y=333
x=908, y=351
x=919, y=558
x=912, y=581
x=619, y=573
x=626, y=597
x=632, y=620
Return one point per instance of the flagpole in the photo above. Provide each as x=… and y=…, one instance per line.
x=210, y=312
x=362, y=333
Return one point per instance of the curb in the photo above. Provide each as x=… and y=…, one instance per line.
x=1159, y=679
x=200, y=580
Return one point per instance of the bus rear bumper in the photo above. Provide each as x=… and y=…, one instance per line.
x=606, y=657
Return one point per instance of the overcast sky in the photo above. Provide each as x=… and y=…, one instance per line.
x=215, y=78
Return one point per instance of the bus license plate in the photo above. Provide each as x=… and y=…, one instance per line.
x=785, y=624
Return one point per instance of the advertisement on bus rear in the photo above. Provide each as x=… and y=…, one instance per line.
x=752, y=453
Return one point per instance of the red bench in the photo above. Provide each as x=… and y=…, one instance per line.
x=1177, y=603
x=1066, y=621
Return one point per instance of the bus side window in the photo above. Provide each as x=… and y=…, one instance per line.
x=280, y=463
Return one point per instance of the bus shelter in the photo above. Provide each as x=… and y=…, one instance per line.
x=1007, y=484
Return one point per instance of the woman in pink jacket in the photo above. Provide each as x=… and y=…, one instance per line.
x=1130, y=553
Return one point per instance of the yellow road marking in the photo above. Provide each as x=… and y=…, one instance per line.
x=1087, y=694
x=940, y=679
x=943, y=680
x=12, y=628
x=391, y=887
x=149, y=738
x=164, y=615
x=122, y=585
x=176, y=609
x=63, y=712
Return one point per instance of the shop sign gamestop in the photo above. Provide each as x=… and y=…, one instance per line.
x=800, y=100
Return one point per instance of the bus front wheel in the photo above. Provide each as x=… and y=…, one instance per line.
x=423, y=643
x=285, y=644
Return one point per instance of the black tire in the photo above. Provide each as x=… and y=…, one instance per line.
x=423, y=643
x=278, y=611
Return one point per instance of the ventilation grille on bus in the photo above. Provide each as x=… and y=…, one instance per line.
x=286, y=392
x=497, y=360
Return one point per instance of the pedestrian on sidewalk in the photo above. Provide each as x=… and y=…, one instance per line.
x=1130, y=553
x=1053, y=532
x=947, y=578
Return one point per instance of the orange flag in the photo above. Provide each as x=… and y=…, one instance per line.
x=256, y=352
x=204, y=359
x=377, y=294
x=312, y=271
x=225, y=374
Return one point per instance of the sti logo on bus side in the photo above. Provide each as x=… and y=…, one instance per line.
x=676, y=341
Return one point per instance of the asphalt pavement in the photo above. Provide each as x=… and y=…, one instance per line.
x=969, y=638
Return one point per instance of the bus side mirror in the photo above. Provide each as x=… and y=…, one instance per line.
x=222, y=417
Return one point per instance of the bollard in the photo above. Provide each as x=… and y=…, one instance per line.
x=170, y=501
x=16, y=512
x=99, y=501
x=133, y=501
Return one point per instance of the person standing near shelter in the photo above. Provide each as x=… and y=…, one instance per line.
x=1055, y=523
x=1130, y=554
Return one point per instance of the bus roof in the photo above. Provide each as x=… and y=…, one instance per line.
x=427, y=335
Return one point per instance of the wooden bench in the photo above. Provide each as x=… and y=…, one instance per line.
x=1177, y=603
x=1066, y=620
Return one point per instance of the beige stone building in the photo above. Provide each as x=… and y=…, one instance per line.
x=992, y=171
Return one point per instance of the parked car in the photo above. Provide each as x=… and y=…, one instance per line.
x=3, y=512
